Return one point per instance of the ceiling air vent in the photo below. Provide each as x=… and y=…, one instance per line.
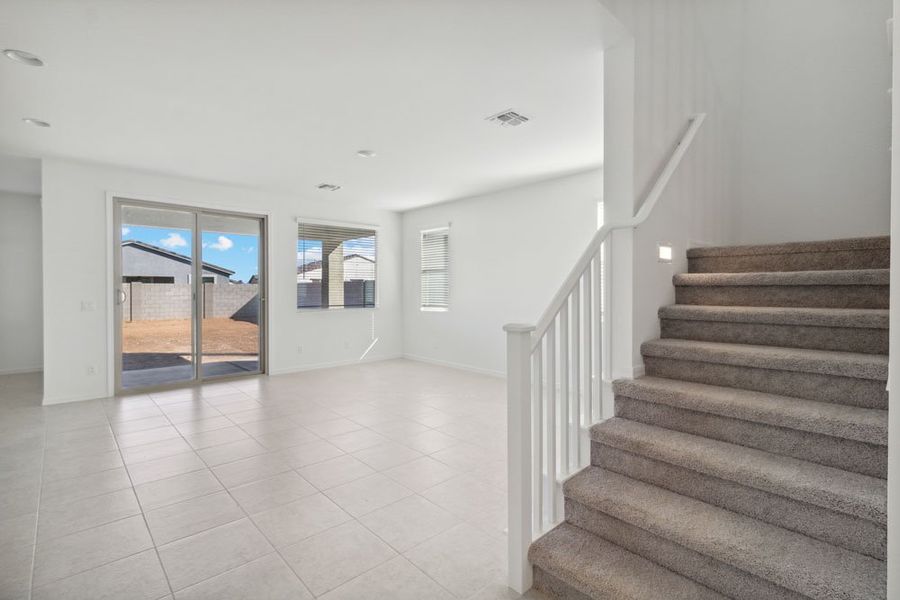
x=328, y=187
x=508, y=118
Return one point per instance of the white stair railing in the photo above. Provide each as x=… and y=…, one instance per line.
x=555, y=386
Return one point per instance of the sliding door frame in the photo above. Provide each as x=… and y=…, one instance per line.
x=114, y=268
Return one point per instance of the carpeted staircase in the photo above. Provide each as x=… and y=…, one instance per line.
x=750, y=461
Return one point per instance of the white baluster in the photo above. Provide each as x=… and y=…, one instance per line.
x=537, y=454
x=564, y=370
x=575, y=399
x=599, y=337
x=587, y=391
x=605, y=405
x=552, y=403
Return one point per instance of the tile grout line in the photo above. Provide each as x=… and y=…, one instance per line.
x=402, y=554
x=388, y=439
x=37, y=512
x=246, y=516
x=276, y=549
x=143, y=515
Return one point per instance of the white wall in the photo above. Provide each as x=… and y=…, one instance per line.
x=684, y=54
x=20, y=282
x=815, y=128
x=893, y=482
x=75, y=234
x=509, y=253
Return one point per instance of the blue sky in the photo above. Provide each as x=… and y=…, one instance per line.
x=239, y=253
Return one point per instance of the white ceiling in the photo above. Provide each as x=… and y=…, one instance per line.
x=280, y=94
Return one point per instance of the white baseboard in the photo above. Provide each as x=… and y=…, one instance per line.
x=638, y=371
x=331, y=365
x=454, y=365
x=47, y=401
x=20, y=370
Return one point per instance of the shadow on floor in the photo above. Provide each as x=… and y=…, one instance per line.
x=148, y=377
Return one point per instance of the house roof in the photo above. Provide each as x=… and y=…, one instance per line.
x=317, y=264
x=176, y=256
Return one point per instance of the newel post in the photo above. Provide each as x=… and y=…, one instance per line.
x=520, y=452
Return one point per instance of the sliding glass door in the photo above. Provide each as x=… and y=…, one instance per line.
x=230, y=324
x=190, y=294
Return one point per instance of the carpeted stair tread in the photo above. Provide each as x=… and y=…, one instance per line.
x=824, y=362
x=862, y=253
x=794, y=561
x=600, y=569
x=785, y=278
x=864, y=318
x=834, y=489
x=837, y=420
x=840, y=245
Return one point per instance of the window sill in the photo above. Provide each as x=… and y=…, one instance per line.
x=433, y=309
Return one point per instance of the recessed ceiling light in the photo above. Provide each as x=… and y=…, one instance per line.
x=26, y=58
x=366, y=154
x=36, y=122
x=328, y=187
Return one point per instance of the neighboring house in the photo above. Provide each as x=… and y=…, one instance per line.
x=146, y=263
x=356, y=268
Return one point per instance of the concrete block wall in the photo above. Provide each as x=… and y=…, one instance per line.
x=156, y=302
x=239, y=302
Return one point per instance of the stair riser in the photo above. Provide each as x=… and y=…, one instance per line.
x=876, y=258
x=843, y=339
x=849, y=455
x=706, y=570
x=865, y=393
x=801, y=296
x=554, y=588
x=852, y=533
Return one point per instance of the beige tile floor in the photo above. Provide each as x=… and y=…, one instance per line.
x=383, y=480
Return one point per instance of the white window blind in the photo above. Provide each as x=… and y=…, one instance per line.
x=335, y=266
x=435, y=276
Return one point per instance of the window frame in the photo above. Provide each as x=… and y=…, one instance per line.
x=136, y=278
x=298, y=221
x=422, y=233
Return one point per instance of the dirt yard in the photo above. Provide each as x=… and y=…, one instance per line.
x=147, y=344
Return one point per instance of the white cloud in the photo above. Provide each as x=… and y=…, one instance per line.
x=309, y=255
x=125, y=231
x=174, y=240
x=222, y=244
x=248, y=249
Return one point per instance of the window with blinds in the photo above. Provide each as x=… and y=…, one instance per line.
x=335, y=266
x=435, y=276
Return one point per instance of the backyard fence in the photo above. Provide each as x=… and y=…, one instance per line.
x=162, y=301
x=357, y=292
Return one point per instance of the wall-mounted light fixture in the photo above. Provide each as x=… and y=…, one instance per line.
x=664, y=252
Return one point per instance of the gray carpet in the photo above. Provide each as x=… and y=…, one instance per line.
x=858, y=253
x=750, y=462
